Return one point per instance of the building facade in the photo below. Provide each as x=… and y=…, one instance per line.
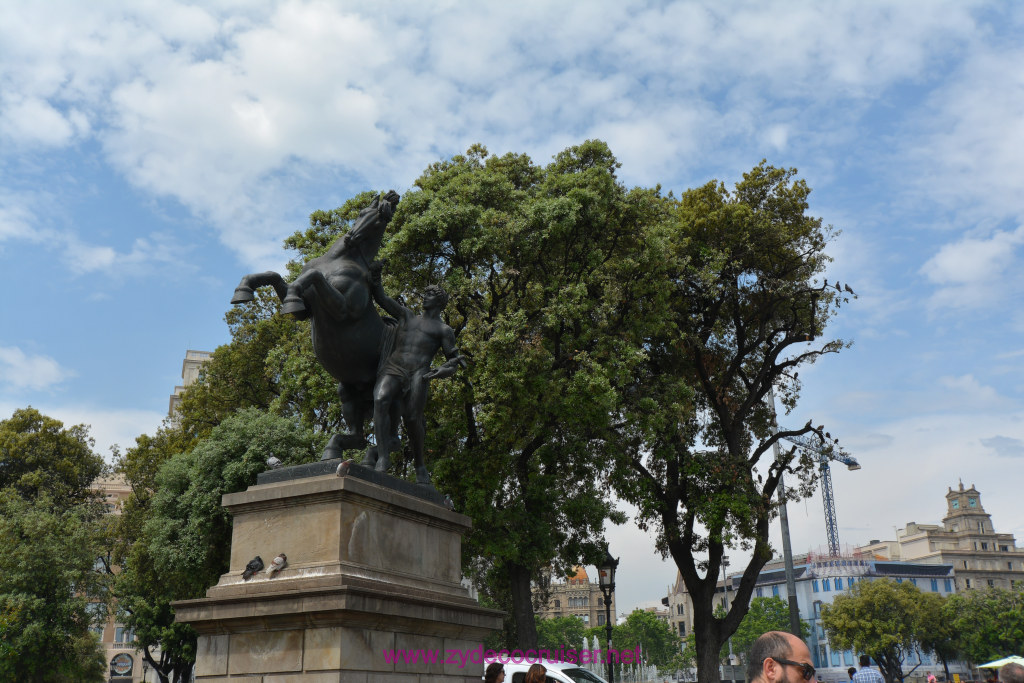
x=190, y=367
x=577, y=596
x=121, y=653
x=966, y=540
x=818, y=580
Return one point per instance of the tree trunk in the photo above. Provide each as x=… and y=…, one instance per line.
x=706, y=636
x=522, y=607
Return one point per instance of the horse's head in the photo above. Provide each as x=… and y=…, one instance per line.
x=368, y=230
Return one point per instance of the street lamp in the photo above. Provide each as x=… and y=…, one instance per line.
x=145, y=672
x=606, y=579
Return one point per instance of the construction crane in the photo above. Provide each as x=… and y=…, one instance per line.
x=824, y=456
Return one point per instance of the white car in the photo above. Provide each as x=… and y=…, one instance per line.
x=556, y=673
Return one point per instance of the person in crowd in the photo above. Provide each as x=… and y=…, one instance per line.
x=536, y=674
x=495, y=673
x=866, y=674
x=1011, y=673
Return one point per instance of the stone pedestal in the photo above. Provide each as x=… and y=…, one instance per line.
x=370, y=569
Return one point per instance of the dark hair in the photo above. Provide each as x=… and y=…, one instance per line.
x=772, y=644
x=851, y=671
x=865, y=660
x=494, y=670
x=1011, y=673
x=536, y=674
x=438, y=291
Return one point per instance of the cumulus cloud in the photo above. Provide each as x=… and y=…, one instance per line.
x=229, y=109
x=975, y=271
x=19, y=370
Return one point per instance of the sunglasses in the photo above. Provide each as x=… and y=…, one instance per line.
x=807, y=669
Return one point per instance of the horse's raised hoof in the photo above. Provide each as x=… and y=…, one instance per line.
x=293, y=304
x=242, y=295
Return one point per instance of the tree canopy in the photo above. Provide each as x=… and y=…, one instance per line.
x=988, y=621
x=50, y=595
x=881, y=618
x=738, y=309
x=37, y=454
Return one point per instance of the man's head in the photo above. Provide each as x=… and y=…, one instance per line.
x=865, y=660
x=850, y=672
x=778, y=657
x=436, y=296
x=1011, y=673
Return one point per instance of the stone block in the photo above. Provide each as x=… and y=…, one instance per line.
x=303, y=678
x=463, y=648
x=425, y=647
x=212, y=656
x=322, y=651
x=392, y=678
x=362, y=649
x=265, y=652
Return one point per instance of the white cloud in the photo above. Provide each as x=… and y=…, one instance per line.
x=975, y=272
x=19, y=370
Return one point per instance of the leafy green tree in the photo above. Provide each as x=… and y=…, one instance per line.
x=937, y=633
x=881, y=618
x=736, y=310
x=990, y=622
x=541, y=266
x=176, y=536
x=37, y=454
x=557, y=632
x=50, y=595
x=658, y=644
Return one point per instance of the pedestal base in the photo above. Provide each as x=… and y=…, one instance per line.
x=373, y=576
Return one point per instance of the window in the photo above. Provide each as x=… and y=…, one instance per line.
x=913, y=581
x=682, y=630
x=849, y=582
x=991, y=583
x=558, y=603
x=935, y=585
x=825, y=585
x=835, y=658
x=847, y=657
x=899, y=579
x=822, y=657
x=817, y=608
x=759, y=592
x=967, y=583
x=1004, y=548
x=965, y=564
x=838, y=584
x=984, y=545
x=948, y=585
x=814, y=585
x=600, y=602
x=600, y=620
x=586, y=618
x=679, y=609
x=1009, y=565
x=775, y=591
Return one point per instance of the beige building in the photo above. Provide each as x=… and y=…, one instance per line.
x=577, y=596
x=124, y=660
x=194, y=361
x=966, y=539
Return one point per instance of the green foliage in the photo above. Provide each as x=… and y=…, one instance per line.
x=735, y=311
x=541, y=265
x=37, y=454
x=989, y=622
x=50, y=596
x=659, y=645
x=881, y=618
x=176, y=537
x=559, y=632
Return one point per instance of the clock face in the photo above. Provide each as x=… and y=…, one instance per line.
x=973, y=502
x=956, y=504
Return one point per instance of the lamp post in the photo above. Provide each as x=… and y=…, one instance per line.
x=145, y=672
x=606, y=579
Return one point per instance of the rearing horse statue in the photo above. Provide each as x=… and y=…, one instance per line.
x=349, y=335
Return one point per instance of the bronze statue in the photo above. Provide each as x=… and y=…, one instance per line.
x=381, y=364
x=348, y=334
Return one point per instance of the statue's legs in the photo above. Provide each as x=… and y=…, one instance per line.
x=415, y=422
x=354, y=408
x=386, y=396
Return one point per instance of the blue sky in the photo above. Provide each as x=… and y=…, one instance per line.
x=153, y=152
